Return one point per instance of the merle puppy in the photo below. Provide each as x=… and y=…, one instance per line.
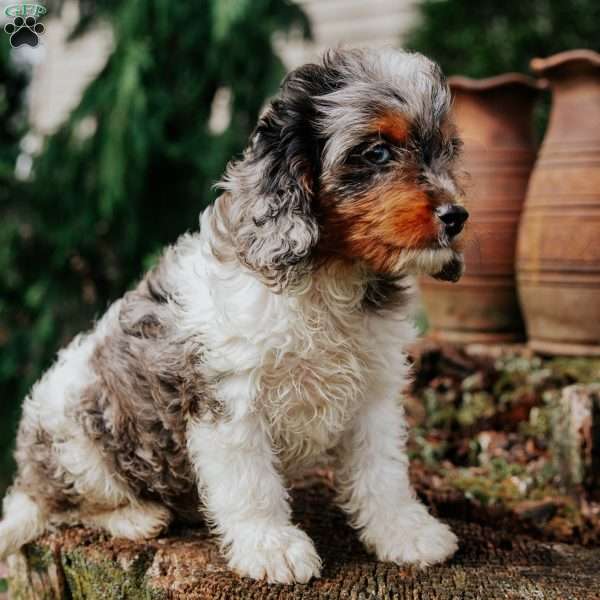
x=270, y=338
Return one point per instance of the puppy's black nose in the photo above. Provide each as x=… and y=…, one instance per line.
x=453, y=218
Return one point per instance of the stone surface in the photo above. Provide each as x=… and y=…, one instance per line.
x=492, y=563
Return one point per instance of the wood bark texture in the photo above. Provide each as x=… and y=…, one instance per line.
x=492, y=563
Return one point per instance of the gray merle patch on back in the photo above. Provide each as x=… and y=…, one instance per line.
x=149, y=385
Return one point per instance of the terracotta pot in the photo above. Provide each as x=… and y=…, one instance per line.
x=559, y=241
x=494, y=118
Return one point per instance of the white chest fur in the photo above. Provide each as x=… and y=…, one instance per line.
x=304, y=361
x=311, y=385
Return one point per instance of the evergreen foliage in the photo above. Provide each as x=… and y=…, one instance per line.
x=130, y=170
x=12, y=117
x=489, y=37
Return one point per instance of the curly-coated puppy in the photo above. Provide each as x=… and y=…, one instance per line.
x=270, y=338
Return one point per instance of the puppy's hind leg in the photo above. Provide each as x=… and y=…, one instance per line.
x=121, y=513
x=135, y=521
x=23, y=521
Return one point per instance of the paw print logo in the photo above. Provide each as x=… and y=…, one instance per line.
x=24, y=31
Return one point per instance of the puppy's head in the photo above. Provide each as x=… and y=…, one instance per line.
x=355, y=159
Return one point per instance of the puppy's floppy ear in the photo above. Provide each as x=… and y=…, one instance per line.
x=273, y=188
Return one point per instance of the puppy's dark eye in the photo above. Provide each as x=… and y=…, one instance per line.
x=378, y=155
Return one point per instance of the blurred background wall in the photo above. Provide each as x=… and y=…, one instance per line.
x=351, y=22
x=60, y=76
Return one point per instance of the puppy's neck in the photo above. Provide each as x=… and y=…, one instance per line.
x=349, y=286
x=333, y=282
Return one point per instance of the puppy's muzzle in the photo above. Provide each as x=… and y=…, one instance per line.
x=453, y=217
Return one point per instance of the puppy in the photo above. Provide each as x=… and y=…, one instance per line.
x=269, y=339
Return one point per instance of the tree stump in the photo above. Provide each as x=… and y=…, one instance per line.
x=492, y=563
x=576, y=436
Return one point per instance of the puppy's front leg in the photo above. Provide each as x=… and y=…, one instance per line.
x=247, y=502
x=375, y=489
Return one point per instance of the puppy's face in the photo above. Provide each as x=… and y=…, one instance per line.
x=354, y=159
x=388, y=190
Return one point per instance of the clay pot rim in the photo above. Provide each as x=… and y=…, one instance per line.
x=582, y=55
x=461, y=82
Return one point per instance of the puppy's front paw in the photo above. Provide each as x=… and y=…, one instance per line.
x=277, y=554
x=422, y=541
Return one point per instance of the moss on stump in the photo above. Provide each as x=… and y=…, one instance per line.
x=492, y=563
